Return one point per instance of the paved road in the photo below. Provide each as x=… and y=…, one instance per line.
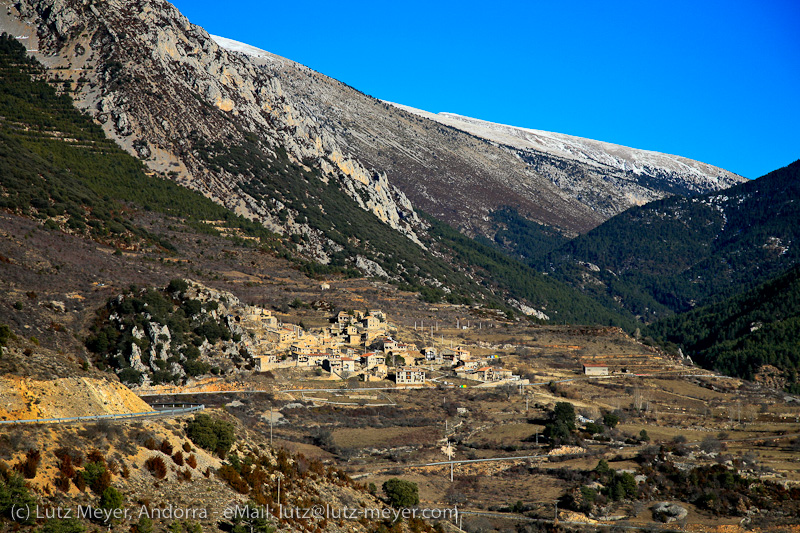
x=159, y=411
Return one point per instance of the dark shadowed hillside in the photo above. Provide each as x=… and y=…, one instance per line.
x=739, y=335
x=673, y=254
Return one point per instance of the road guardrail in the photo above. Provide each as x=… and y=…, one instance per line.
x=160, y=410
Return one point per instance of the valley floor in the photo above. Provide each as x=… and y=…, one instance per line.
x=704, y=418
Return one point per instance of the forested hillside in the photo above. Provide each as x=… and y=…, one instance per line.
x=741, y=334
x=674, y=254
x=521, y=238
x=559, y=301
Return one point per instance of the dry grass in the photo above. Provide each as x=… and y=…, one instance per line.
x=507, y=434
x=387, y=437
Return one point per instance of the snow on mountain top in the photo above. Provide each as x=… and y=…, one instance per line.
x=257, y=55
x=236, y=46
x=597, y=153
x=243, y=48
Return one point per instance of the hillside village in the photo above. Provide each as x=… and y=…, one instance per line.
x=234, y=337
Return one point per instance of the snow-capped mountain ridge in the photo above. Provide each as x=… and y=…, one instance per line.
x=244, y=48
x=581, y=149
x=464, y=173
x=589, y=151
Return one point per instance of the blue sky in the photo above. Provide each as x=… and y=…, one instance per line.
x=713, y=81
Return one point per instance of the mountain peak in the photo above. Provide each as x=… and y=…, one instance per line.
x=555, y=179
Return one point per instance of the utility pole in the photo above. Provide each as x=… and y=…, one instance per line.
x=450, y=457
x=270, y=426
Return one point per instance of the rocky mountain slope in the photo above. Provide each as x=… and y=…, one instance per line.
x=462, y=169
x=166, y=475
x=65, y=397
x=612, y=177
x=166, y=92
x=215, y=119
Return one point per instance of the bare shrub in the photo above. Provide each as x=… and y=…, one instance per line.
x=156, y=467
x=30, y=465
x=178, y=458
x=66, y=468
x=232, y=477
x=184, y=475
x=96, y=456
x=166, y=447
x=75, y=457
x=712, y=445
x=62, y=483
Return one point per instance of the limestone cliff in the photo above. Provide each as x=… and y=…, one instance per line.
x=165, y=90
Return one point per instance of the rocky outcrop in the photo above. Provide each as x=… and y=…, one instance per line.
x=669, y=512
x=172, y=339
x=163, y=88
x=770, y=376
